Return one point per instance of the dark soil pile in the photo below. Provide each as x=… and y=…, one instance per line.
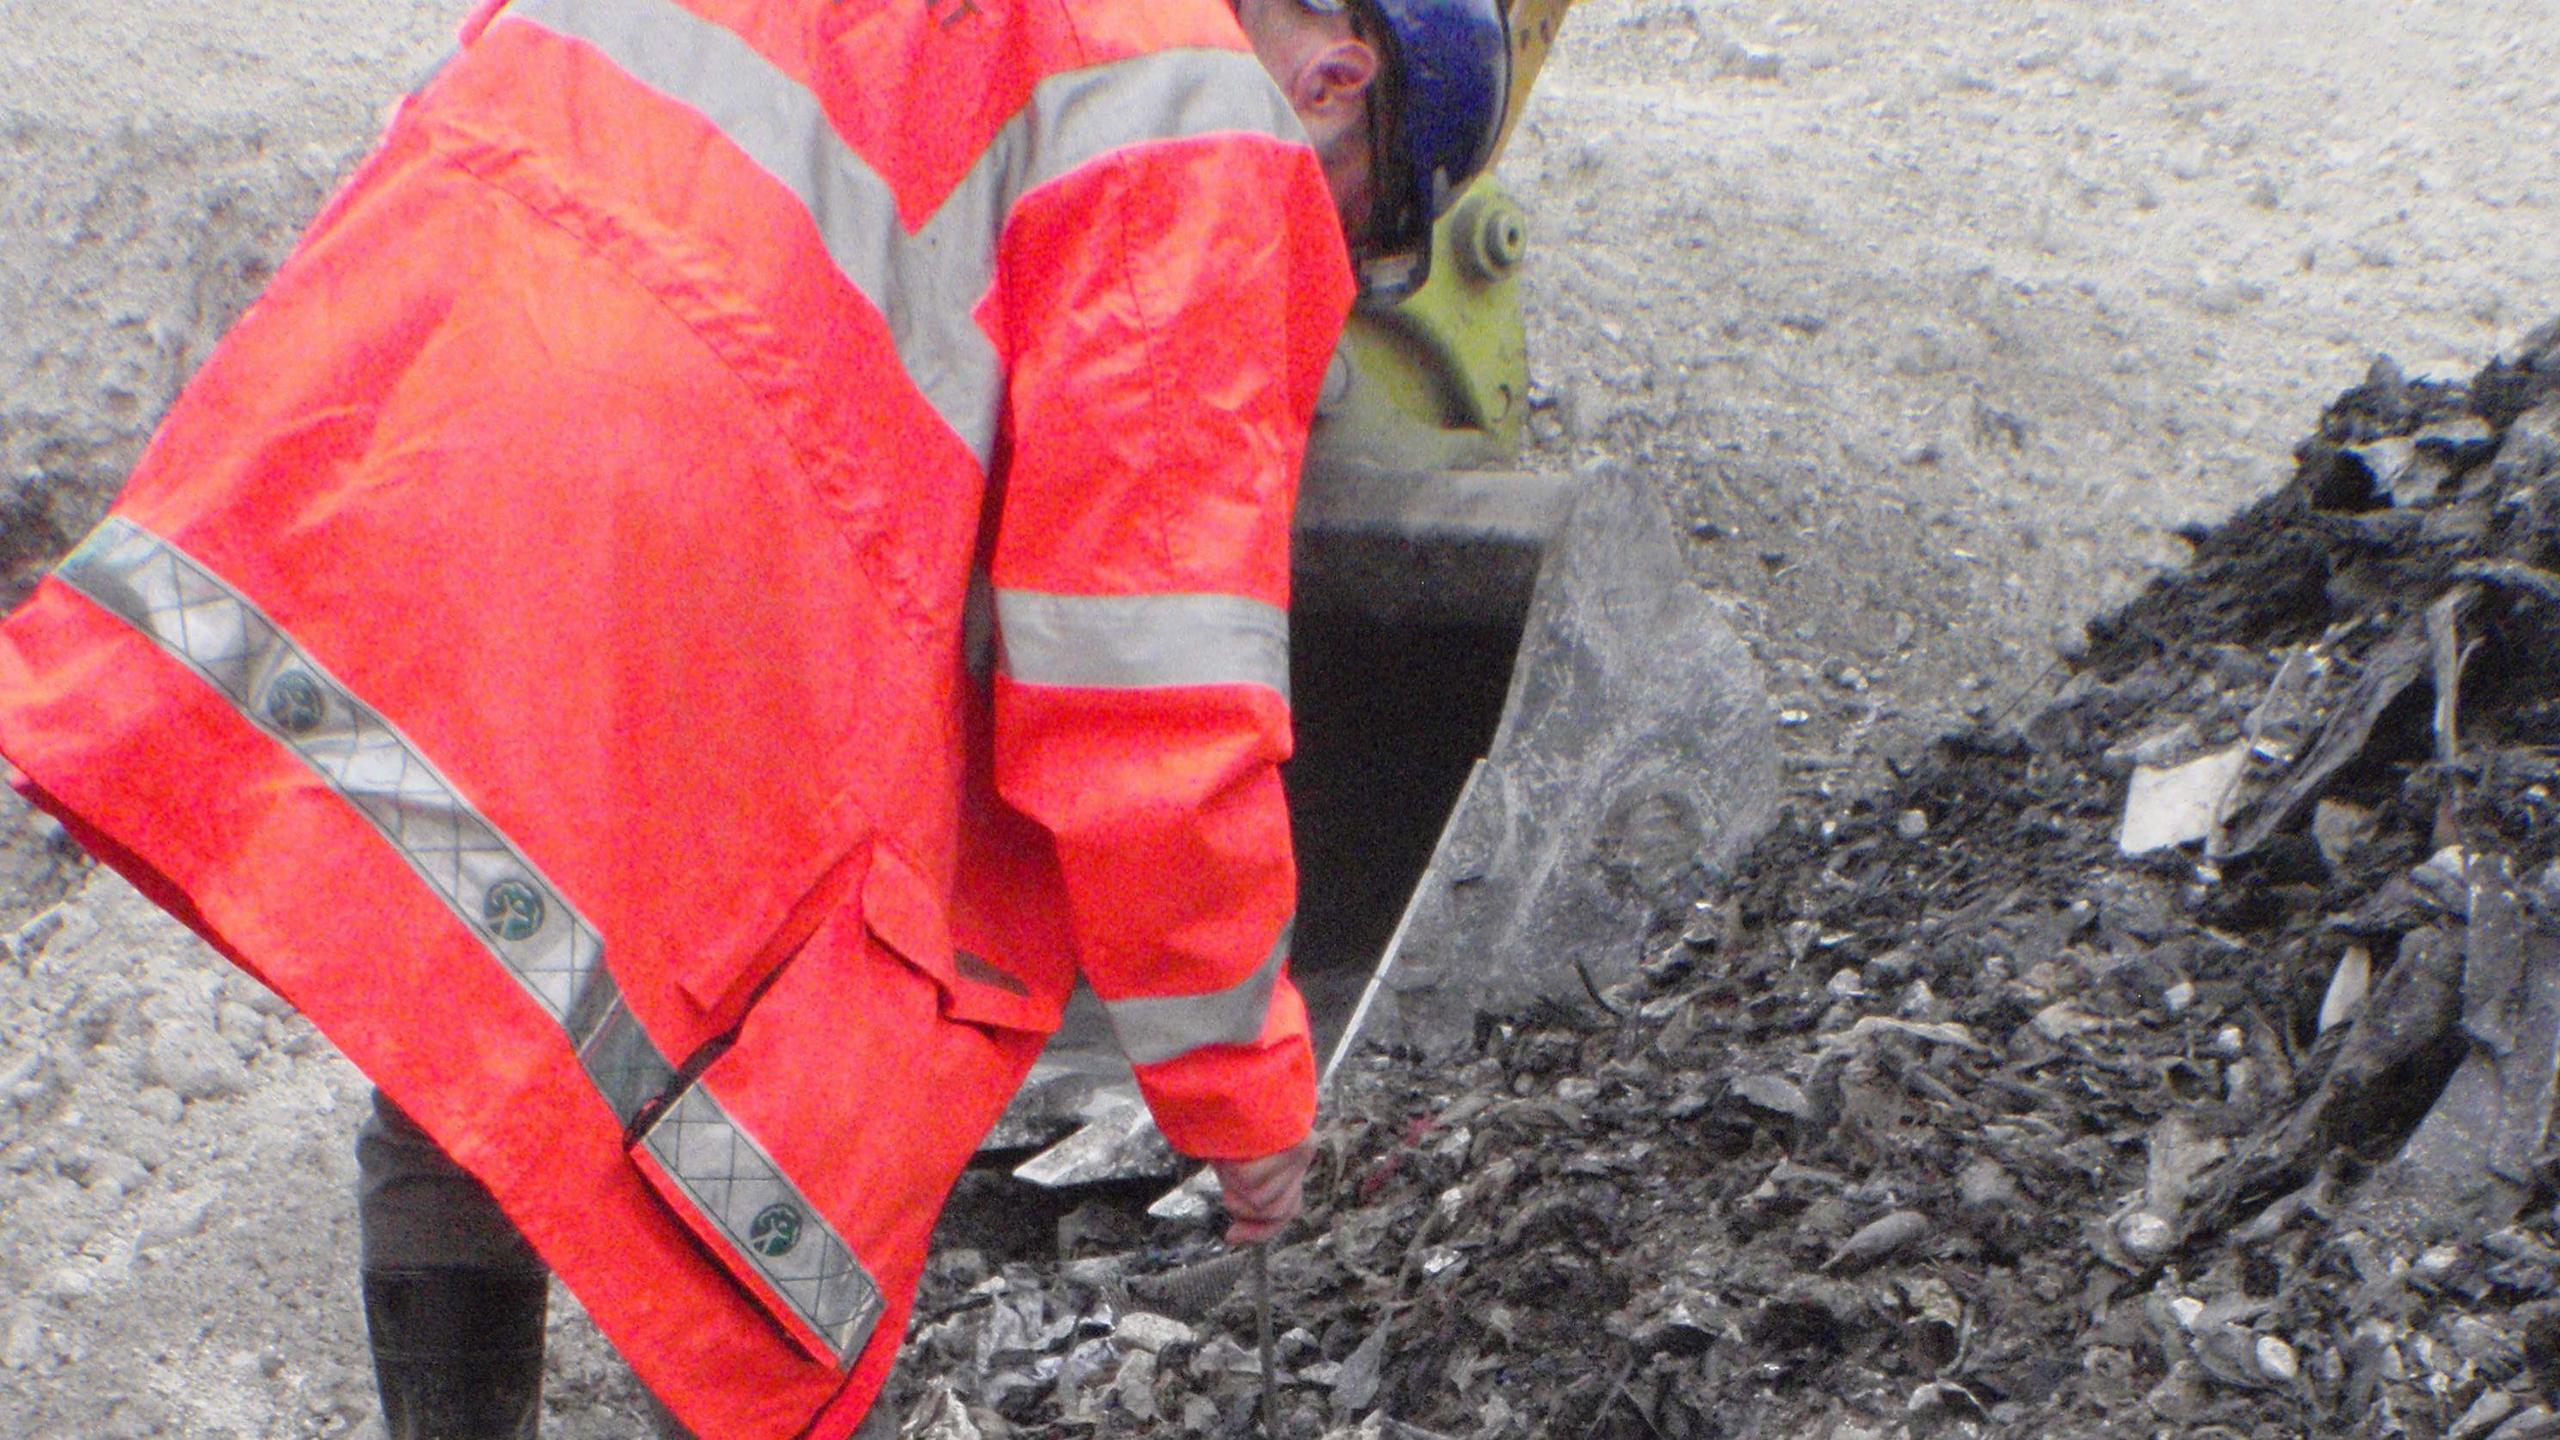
x=1951, y=1116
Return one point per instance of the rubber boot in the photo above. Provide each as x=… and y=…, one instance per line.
x=457, y=1352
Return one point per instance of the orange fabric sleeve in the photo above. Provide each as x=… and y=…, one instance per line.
x=1168, y=311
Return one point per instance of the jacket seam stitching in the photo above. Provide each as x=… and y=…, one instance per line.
x=1159, y=523
x=473, y=151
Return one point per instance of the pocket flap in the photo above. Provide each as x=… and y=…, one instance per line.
x=911, y=918
x=908, y=916
x=989, y=994
x=775, y=921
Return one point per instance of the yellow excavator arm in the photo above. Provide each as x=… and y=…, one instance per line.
x=1438, y=379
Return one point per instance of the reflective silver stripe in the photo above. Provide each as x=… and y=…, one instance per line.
x=1135, y=642
x=734, y=1182
x=516, y=914
x=621, y=1059
x=1158, y=1029
x=195, y=615
x=926, y=285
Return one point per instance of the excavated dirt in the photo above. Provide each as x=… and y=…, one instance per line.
x=1953, y=1118
x=1936, y=326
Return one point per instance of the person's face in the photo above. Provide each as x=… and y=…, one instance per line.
x=1326, y=71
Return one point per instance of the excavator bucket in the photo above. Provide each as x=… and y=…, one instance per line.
x=1632, y=761
x=1523, y=732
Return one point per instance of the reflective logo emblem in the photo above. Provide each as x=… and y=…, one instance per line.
x=295, y=704
x=775, y=1230
x=512, y=910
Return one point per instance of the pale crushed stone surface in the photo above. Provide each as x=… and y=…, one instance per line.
x=1932, y=324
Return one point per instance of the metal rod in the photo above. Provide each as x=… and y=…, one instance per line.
x=1191, y=1198
x=1262, y=1325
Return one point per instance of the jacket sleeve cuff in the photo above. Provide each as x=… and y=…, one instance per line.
x=1239, y=1102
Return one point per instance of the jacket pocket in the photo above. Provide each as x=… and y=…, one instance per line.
x=907, y=915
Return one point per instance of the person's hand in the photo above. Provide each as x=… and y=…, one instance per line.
x=1263, y=1195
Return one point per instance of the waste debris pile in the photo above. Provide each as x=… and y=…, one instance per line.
x=2178, y=1057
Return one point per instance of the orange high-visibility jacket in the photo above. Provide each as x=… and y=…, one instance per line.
x=731, y=482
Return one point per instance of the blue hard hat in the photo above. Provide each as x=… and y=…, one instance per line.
x=1449, y=71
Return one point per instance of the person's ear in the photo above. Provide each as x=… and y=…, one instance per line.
x=1333, y=86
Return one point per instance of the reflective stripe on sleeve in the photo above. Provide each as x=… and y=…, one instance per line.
x=1155, y=1029
x=1142, y=642
x=515, y=913
x=926, y=284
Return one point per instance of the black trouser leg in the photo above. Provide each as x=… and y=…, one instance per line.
x=457, y=1353
x=453, y=1297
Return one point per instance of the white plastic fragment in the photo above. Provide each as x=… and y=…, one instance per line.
x=2398, y=469
x=2347, y=987
x=2180, y=805
x=1134, y=1387
x=2437, y=1263
x=2144, y=1236
x=1145, y=1330
x=2059, y=1022
x=2276, y=1360
x=1773, y=1093
x=1880, y=1238
x=1868, y=1028
x=1357, y=1384
x=2448, y=871
x=943, y=1417
x=2484, y=1416
x=2158, y=749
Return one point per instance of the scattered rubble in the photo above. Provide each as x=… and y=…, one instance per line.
x=1997, y=1122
